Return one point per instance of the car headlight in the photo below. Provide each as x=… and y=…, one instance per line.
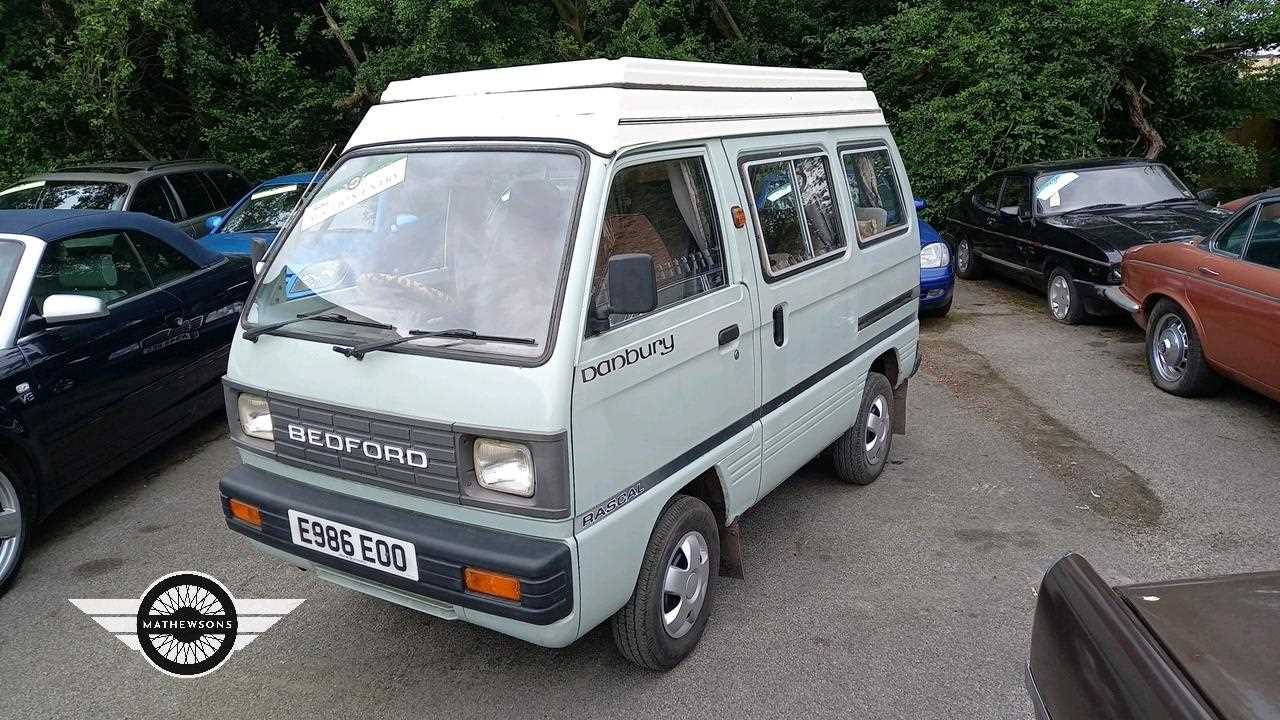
x=935, y=255
x=1116, y=275
x=255, y=416
x=504, y=466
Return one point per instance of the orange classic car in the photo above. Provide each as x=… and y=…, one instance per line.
x=1211, y=306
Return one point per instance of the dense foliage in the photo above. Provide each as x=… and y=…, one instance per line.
x=968, y=86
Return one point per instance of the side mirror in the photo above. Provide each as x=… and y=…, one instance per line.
x=1010, y=212
x=70, y=308
x=257, y=250
x=1208, y=196
x=633, y=284
x=213, y=222
x=919, y=204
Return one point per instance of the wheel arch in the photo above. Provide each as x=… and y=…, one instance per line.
x=25, y=462
x=886, y=363
x=1152, y=299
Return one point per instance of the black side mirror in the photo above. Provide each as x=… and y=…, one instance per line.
x=1010, y=212
x=1208, y=196
x=633, y=284
x=257, y=250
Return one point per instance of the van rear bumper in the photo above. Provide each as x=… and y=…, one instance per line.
x=444, y=547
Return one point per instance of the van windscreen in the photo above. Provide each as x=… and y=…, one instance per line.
x=456, y=241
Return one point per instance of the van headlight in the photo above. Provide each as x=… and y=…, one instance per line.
x=935, y=255
x=504, y=466
x=255, y=416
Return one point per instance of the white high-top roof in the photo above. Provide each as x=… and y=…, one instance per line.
x=612, y=104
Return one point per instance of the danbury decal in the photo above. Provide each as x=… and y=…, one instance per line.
x=630, y=356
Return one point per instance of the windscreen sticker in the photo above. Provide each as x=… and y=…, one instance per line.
x=353, y=192
x=1055, y=185
x=273, y=191
x=23, y=186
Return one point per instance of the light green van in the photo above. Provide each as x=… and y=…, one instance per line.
x=544, y=333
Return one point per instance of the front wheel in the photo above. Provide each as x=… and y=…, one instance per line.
x=15, y=523
x=968, y=265
x=1175, y=357
x=860, y=454
x=668, y=610
x=1064, y=301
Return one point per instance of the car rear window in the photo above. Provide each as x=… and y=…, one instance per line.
x=63, y=195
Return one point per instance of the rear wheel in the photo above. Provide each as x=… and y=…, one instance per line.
x=968, y=265
x=668, y=610
x=860, y=454
x=15, y=523
x=1175, y=357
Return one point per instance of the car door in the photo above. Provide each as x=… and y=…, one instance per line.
x=1012, y=226
x=91, y=377
x=807, y=299
x=196, y=201
x=1236, y=294
x=656, y=391
x=154, y=197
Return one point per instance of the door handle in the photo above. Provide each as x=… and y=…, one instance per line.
x=779, y=332
x=1208, y=272
x=728, y=335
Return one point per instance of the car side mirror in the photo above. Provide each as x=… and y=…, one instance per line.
x=919, y=204
x=1208, y=196
x=213, y=222
x=1010, y=212
x=70, y=308
x=257, y=251
x=633, y=284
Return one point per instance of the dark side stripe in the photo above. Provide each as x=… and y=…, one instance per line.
x=602, y=510
x=887, y=309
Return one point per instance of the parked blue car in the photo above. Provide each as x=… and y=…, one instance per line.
x=258, y=215
x=937, y=278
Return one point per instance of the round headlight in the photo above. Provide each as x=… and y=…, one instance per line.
x=935, y=255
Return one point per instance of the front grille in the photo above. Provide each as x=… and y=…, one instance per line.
x=420, y=457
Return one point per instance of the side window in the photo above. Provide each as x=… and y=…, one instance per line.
x=231, y=184
x=664, y=209
x=877, y=201
x=152, y=198
x=161, y=261
x=102, y=265
x=988, y=193
x=1231, y=241
x=795, y=211
x=1014, y=196
x=1264, y=243
x=195, y=199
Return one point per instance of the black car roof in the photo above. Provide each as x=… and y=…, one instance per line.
x=1080, y=164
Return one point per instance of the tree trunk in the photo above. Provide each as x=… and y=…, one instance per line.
x=1138, y=103
x=573, y=16
x=724, y=20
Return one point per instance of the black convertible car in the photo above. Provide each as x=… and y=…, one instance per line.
x=1063, y=225
x=1203, y=649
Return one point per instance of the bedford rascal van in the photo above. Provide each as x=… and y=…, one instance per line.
x=543, y=334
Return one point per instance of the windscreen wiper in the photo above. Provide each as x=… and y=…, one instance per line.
x=359, y=351
x=1096, y=206
x=1166, y=201
x=253, y=334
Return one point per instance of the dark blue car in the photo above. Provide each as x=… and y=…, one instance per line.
x=937, y=278
x=258, y=215
x=114, y=336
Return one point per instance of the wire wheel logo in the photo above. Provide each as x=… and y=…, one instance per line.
x=187, y=624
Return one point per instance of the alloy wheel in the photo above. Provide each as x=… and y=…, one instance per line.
x=11, y=526
x=1059, y=297
x=963, y=256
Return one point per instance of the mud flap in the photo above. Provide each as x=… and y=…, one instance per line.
x=731, y=551
x=900, y=409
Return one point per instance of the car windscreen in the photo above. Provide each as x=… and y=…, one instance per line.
x=456, y=241
x=1115, y=187
x=63, y=195
x=266, y=210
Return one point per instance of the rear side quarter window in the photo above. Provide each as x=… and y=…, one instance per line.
x=878, y=209
x=797, y=222
x=193, y=194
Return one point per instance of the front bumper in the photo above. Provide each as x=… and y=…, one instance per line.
x=444, y=547
x=936, y=286
x=1121, y=299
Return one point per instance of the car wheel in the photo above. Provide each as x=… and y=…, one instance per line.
x=16, y=508
x=668, y=610
x=968, y=265
x=1064, y=301
x=1175, y=357
x=860, y=454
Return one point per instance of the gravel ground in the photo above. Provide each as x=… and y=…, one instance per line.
x=909, y=598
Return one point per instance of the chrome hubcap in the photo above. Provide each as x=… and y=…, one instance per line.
x=10, y=526
x=1059, y=297
x=962, y=256
x=1169, y=351
x=684, y=589
x=877, y=429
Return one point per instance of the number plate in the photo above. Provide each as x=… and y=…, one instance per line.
x=352, y=544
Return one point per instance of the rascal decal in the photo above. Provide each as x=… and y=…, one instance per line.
x=632, y=355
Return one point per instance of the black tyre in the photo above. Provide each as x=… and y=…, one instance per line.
x=1175, y=357
x=861, y=453
x=16, y=509
x=968, y=265
x=1063, y=298
x=667, y=613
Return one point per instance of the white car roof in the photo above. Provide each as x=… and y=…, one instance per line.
x=609, y=105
